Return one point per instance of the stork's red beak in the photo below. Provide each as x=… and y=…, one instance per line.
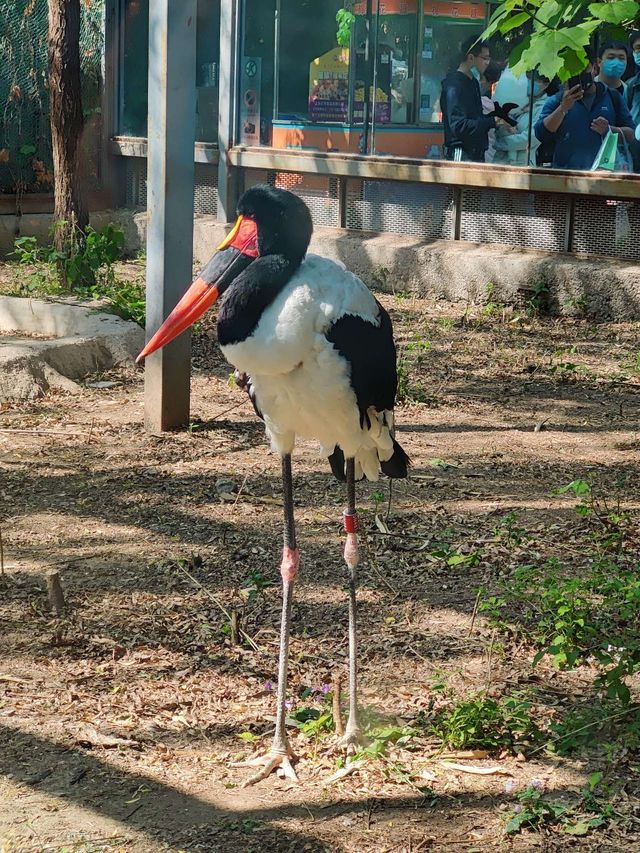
x=233, y=255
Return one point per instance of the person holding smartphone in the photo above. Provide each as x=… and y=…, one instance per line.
x=579, y=116
x=466, y=128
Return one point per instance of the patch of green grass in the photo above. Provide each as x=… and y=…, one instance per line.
x=537, y=810
x=601, y=724
x=85, y=268
x=482, y=722
x=590, y=619
x=410, y=359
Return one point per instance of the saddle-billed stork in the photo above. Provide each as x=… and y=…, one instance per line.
x=315, y=351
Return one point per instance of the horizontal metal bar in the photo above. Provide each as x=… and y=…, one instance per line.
x=440, y=172
x=136, y=146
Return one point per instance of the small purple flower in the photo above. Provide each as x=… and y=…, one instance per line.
x=268, y=686
x=537, y=784
x=326, y=688
x=508, y=786
x=288, y=704
x=517, y=809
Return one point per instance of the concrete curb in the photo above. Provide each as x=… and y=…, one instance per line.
x=575, y=285
x=78, y=339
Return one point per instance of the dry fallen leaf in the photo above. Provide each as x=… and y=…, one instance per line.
x=477, y=771
x=89, y=736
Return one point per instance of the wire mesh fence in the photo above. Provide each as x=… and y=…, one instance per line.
x=25, y=135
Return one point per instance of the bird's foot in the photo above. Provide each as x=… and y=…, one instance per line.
x=280, y=759
x=350, y=741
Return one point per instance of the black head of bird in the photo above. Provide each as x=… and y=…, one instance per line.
x=283, y=221
x=271, y=221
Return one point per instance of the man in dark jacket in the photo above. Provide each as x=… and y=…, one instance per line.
x=466, y=129
x=578, y=117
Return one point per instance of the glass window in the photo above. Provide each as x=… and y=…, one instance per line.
x=134, y=68
x=394, y=29
x=207, y=70
x=382, y=93
x=445, y=27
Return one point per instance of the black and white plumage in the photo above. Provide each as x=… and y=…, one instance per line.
x=317, y=348
x=315, y=351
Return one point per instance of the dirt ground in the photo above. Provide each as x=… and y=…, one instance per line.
x=119, y=721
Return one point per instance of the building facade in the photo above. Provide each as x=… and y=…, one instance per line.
x=354, y=128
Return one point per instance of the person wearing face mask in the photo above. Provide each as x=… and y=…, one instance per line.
x=612, y=59
x=633, y=96
x=511, y=143
x=577, y=118
x=488, y=82
x=466, y=129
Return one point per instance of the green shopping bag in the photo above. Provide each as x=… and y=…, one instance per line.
x=606, y=156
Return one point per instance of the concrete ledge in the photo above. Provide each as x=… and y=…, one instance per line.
x=458, y=271
x=606, y=288
x=74, y=341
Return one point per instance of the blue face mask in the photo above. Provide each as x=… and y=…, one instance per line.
x=537, y=89
x=475, y=73
x=636, y=57
x=613, y=68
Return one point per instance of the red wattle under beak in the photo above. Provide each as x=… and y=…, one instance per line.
x=233, y=256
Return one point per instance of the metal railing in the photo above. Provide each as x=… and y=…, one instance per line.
x=550, y=210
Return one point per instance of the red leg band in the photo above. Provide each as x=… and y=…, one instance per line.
x=350, y=522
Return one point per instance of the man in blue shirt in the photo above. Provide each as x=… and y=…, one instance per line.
x=577, y=118
x=633, y=95
x=633, y=83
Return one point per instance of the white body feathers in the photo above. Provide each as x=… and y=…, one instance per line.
x=301, y=382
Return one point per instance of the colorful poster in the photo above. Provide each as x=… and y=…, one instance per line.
x=329, y=86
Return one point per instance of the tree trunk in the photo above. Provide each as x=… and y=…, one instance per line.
x=66, y=122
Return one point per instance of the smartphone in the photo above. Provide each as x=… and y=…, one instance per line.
x=585, y=80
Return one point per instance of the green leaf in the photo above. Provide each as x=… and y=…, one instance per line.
x=620, y=12
x=516, y=823
x=580, y=828
x=248, y=737
x=578, y=487
x=513, y=22
x=594, y=780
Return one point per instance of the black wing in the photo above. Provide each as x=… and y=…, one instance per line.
x=371, y=353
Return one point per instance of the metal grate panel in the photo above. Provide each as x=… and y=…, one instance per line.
x=318, y=191
x=605, y=227
x=251, y=177
x=423, y=210
x=205, y=192
x=532, y=220
x=136, y=179
x=206, y=189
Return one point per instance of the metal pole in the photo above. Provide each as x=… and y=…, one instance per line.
x=171, y=135
x=276, y=58
x=375, y=79
x=227, y=108
x=366, y=95
x=530, y=118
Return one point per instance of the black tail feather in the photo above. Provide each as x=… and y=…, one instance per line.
x=336, y=460
x=399, y=463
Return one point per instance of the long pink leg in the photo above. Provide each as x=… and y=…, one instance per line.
x=281, y=755
x=353, y=732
